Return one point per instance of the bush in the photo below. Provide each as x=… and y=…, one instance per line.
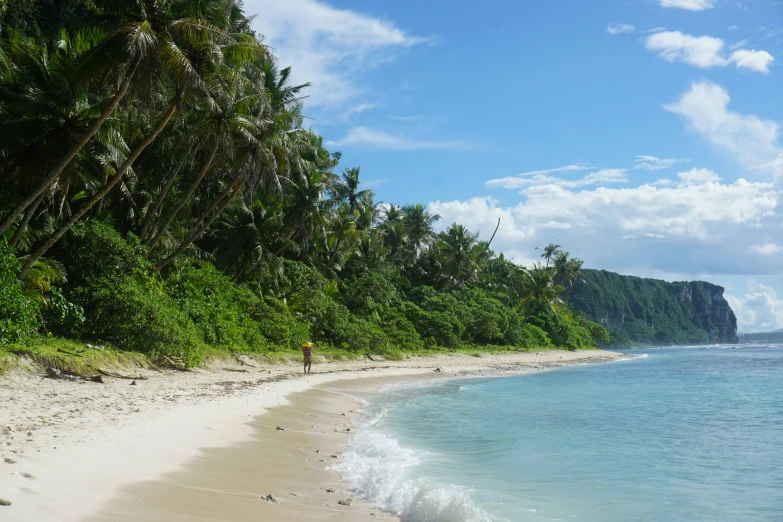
x=123, y=299
x=218, y=307
x=19, y=313
x=61, y=316
x=136, y=316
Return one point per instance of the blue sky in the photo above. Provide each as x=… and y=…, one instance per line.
x=642, y=135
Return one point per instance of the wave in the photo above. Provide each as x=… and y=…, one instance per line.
x=380, y=470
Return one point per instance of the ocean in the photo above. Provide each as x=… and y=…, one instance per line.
x=675, y=434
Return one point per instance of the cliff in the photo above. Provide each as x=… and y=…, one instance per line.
x=654, y=312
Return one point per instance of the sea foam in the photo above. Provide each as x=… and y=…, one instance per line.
x=378, y=469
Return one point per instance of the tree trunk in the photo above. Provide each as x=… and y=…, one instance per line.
x=150, y=217
x=78, y=146
x=99, y=205
x=200, y=230
x=187, y=195
x=26, y=219
x=101, y=193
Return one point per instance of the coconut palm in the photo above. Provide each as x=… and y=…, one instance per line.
x=457, y=249
x=540, y=291
x=550, y=251
x=419, y=227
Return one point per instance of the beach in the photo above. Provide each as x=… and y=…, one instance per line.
x=242, y=441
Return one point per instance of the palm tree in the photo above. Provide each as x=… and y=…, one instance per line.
x=419, y=227
x=164, y=44
x=46, y=87
x=346, y=188
x=457, y=248
x=550, y=251
x=540, y=290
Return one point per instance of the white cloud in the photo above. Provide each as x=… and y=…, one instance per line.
x=758, y=310
x=706, y=224
x=698, y=176
x=620, y=28
x=567, y=168
x=364, y=136
x=751, y=140
x=690, y=5
x=541, y=177
x=326, y=46
x=705, y=52
x=758, y=61
x=653, y=163
x=766, y=249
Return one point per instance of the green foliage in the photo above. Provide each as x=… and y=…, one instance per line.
x=654, y=312
x=123, y=299
x=61, y=316
x=218, y=307
x=19, y=313
x=203, y=160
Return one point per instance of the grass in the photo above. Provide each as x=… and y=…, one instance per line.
x=78, y=357
x=68, y=355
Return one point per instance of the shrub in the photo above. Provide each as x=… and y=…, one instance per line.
x=217, y=306
x=61, y=316
x=123, y=299
x=19, y=314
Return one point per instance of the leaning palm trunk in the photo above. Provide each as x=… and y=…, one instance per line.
x=150, y=217
x=227, y=197
x=101, y=193
x=26, y=219
x=187, y=195
x=78, y=146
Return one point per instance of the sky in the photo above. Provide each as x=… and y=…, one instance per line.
x=641, y=135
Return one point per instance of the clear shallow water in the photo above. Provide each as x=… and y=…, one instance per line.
x=685, y=434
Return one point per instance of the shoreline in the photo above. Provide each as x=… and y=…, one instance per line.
x=70, y=449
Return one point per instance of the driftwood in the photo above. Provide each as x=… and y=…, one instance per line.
x=234, y=370
x=70, y=353
x=56, y=373
x=118, y=376
x=238, y=357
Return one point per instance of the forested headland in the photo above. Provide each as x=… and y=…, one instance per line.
x=162, y=194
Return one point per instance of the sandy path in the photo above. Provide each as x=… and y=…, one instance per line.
x=67, y=448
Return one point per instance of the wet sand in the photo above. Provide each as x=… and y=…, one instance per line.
x=204, y=445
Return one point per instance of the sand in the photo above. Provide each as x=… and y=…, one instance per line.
x=204, y=445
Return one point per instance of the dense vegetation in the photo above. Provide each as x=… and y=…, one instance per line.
x=654, y=312
x=160, y=194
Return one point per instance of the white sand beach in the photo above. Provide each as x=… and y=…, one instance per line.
x=204, y=444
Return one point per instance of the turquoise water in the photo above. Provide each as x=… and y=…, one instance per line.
x=684, y=434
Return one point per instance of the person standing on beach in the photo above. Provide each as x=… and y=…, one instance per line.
x=307, y=350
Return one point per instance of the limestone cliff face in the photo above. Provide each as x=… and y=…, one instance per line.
x=654, y=312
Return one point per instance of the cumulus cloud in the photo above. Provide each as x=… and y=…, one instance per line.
x=698, y=176
x=690, y=5
x=705, y=52
x=759, y=310
x=366, y=137
x=653, y=163
x=766, y=249
x=694, y=221
x=620, y=28
x=326, y=46
x=705, y=107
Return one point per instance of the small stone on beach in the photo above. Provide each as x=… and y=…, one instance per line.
x=271, y=498
x=345, y=502
x=4, y=502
